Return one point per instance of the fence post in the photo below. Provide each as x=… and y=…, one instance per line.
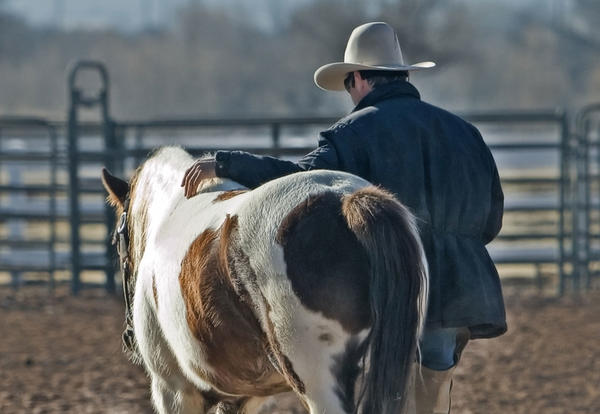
x=73, y=162
x=582, y=132
x=52, y=200
x=578, y=204
x=587, y=204
x=16, y=227
x=564, y=180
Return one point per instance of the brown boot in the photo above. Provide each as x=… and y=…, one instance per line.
x=432, y=391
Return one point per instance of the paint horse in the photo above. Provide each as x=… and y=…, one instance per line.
x=315, y=282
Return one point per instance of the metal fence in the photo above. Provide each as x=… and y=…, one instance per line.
x=27, y=201
x=550, y=206
x=586, y=225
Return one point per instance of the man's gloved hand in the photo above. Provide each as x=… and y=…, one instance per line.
x=200, y=170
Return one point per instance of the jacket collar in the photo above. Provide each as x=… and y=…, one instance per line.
x=391, y=90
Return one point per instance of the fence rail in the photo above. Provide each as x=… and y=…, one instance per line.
x=66, y=195
x=13, y=218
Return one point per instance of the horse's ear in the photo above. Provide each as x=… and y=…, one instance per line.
x=117, y=189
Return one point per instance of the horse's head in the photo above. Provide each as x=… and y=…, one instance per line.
x=119, y=197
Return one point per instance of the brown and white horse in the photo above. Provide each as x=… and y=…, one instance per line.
x=315, y=282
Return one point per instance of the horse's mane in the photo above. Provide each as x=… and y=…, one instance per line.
x=171, y=162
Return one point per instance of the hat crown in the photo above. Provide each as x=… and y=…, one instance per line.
x=374, y=44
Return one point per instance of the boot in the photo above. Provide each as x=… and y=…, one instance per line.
x=432, y=391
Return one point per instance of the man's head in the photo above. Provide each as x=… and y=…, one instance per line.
x=359, y=83
x=372, y=47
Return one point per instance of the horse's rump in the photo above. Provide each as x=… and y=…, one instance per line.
x=356, y=258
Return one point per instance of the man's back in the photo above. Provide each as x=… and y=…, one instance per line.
x=435, y=162
x=438, y=165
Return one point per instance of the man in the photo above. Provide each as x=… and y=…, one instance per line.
x=435, y=163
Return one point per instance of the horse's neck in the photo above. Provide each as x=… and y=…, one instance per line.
x=161, y=178
x=158, y=192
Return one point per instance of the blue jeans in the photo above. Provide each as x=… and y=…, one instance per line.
x=441, y=347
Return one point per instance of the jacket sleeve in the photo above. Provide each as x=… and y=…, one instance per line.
x=253, y=170
x=494, y=220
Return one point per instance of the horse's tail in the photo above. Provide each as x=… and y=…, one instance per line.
x=398, y=296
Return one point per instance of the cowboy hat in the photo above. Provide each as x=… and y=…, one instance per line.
x=371, y=46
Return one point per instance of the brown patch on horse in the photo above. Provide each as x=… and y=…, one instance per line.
x=226, y=195
x=326, y=264
x=237, y=265
x=154, y=291
x=234, y=345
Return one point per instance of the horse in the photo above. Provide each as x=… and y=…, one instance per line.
x=314, y=283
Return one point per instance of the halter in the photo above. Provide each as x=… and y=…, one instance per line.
x=122, y=241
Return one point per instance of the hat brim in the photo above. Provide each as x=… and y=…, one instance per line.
x=331, y=77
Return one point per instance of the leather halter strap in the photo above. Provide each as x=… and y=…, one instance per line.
x=122, y=240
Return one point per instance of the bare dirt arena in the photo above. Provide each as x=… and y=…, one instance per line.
x=63, y=354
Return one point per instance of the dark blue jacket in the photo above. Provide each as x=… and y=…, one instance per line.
x=435, y=163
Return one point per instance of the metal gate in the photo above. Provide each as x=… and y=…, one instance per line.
x=586, y=224
x=80, y=154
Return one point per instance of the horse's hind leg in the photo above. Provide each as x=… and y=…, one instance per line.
x=322, y=362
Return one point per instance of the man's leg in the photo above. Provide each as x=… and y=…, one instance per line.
x=440, y=352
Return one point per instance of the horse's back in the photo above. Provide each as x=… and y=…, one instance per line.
x=294, y=229
x=303, y=253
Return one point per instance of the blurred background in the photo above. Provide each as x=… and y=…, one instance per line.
x=257, y=57
x=86, y=84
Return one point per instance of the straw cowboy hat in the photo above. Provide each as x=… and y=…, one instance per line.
x=372, y=46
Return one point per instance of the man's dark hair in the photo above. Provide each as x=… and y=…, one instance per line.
x=381, y=77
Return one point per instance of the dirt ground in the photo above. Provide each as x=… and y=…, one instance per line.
x=63, y=354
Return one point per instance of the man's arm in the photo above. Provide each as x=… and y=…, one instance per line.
x=253, y=170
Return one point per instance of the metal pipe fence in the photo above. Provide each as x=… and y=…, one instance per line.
x=19, y=252
x=130, y=142
x=586, y=226
x=552, y=218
